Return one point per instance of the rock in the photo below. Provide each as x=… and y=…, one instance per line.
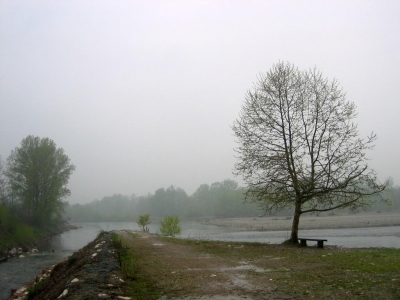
x=64, y=293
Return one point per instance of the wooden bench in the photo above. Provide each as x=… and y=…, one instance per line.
x=320, y=242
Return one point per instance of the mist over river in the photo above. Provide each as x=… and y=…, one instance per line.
x=17, y=272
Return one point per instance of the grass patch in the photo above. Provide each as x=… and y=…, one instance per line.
x=300, y=272
x=140, y=286
x=35, y=289
x=344, y=274
x=102, y=233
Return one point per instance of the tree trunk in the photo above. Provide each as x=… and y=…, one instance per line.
x=295, y=224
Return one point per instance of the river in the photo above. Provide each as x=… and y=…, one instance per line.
x=17, y=272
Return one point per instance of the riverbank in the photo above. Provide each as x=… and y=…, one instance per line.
x=90, y=273
x=307, y=222
x=11, y=248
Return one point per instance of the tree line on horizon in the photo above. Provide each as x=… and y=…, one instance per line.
x=225, y=199
x=220, y=199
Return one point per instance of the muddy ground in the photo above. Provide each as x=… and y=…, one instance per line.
x=184, y=272
x=195, y=269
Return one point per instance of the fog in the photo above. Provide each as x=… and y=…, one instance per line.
x=142, y=94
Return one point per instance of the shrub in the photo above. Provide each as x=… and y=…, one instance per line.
x=169, y=226
x=144, y=220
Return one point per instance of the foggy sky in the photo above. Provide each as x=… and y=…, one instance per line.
x=142, y=94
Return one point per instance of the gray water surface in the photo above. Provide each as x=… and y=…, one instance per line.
x=18, y=272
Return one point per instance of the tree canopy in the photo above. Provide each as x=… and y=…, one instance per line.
x=299, y=146
x=38, y=173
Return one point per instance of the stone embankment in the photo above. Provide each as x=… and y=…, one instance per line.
x=90, y=273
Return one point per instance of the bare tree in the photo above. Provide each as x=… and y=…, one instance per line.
x=299, y=146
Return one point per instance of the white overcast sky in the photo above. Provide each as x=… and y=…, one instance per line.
x=142, y=94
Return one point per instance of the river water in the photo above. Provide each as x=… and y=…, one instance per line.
x=17, y=272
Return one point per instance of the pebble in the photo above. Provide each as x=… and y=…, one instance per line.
x=63, y=293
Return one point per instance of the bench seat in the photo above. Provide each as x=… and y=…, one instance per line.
x=320, y=242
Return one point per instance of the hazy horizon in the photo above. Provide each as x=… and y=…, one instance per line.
x=142, y=95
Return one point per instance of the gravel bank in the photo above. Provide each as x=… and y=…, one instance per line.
x=274, y=223
x=90, y=273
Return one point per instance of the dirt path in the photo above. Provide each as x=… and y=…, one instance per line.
x=200, y=271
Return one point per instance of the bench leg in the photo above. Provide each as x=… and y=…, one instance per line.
x=303, y=243
x=320, y=244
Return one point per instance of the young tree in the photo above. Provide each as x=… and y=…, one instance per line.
x=144, y=220
x=169, y=226
x=38, y=173
x=299, y=146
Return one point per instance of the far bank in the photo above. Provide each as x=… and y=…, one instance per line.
x=310, y=222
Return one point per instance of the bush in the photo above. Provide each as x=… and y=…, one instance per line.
x=144, y=220
x=170, y=226
x=24, y=234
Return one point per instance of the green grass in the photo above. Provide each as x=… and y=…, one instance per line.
x=140, y=286
x=16, y=233
x=353, y=274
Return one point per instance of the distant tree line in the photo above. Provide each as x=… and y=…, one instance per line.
x=221, y=199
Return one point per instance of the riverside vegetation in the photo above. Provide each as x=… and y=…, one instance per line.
x=15, y=233
x=33, y=185
x=155, y=266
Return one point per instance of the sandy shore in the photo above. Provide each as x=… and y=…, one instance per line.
x=278, y=223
